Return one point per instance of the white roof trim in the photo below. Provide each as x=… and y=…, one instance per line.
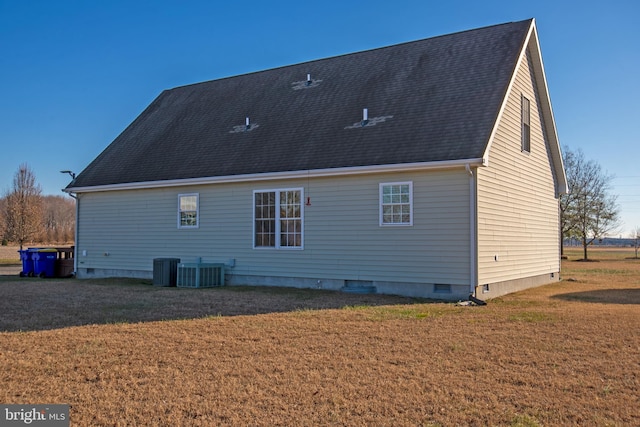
x=550, y=122
x=359, y=170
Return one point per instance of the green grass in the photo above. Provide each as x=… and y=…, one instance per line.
x=524, y=421
x=610, y=272
x=523, y=303
x=596, y=253
x=418, y=311
x=531, y=317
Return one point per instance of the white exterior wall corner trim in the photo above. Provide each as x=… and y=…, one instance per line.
x=473, y=230
x=359, y=170
x=532, y=42
x=77, y=230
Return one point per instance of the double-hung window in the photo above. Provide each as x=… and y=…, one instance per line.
x=188, y=205
x=396, y=203
x=278, y=216
x=526, y=124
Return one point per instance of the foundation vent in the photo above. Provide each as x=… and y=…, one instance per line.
x=359, y=287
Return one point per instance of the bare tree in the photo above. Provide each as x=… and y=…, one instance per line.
x=3, y=221
x=23, y=207
x=635, y=235
x=568, y=216
x=589, y=211
x=58, y=219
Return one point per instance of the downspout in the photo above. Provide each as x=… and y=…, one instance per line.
x=473, y=261
x=75, y=237
x=75, y=255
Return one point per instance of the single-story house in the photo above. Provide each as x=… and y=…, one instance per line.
x=430, y=168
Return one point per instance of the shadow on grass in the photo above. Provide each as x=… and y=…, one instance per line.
x=30, y=304
x=603, y=296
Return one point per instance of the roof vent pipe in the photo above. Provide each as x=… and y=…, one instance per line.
x=309, y=81
x=365, y=117
x=246, y=123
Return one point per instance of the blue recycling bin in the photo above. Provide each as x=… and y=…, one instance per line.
x=27, y=262
x=44, y=262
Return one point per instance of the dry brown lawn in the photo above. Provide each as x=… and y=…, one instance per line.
x=8, y=253
x=124, y=353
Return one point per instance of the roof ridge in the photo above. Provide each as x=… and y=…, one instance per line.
x=343, y=55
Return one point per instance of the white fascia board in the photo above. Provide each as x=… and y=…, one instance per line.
x=358, y=170
x=550, y=122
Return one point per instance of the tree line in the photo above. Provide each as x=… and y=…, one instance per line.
x=589, y=211
x=27, y=216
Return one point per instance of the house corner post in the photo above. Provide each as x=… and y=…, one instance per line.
x=473, y=230
x=75, y=237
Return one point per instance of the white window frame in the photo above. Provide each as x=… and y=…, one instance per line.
x=383, y=204
x=197, y=211
x=278, y=219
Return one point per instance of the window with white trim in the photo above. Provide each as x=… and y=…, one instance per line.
x=526, y=124
x=278, y=216
x=396, y=203
x=188, y=206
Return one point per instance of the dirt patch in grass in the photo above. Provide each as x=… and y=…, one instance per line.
x=126, y=353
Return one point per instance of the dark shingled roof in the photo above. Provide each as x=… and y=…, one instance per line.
x=430, y=100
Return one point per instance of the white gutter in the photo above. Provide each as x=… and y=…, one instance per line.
x=358, y=170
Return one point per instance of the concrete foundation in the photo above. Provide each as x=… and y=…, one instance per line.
x=444, y=292
x=100, y=273
x=494, y=290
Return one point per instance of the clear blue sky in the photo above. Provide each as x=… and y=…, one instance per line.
x=74, y=74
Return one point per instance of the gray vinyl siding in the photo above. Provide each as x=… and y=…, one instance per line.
x=517, y=204
x=342, y=236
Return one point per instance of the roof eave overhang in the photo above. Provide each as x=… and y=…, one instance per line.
x=274, y=176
